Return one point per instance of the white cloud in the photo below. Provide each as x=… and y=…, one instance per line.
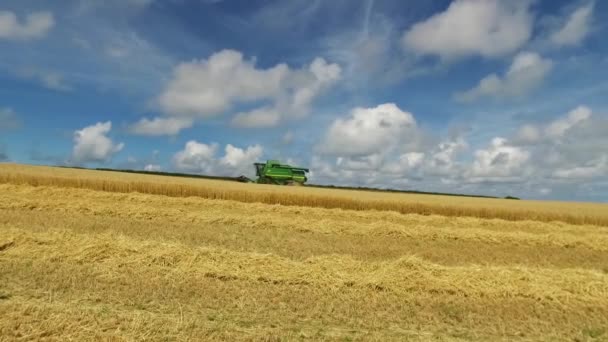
x=571, y=148
x=206, y=88
x=442, y=160
x=559, y=127
x=568, y=149
x=370, y=144
x=367, y=131
x=160, y=126
x=576, y=28
x=489, y=28
x=201, y=158
x=406, y=162
x=438, y=163
x=528, y=133
x=531, y=134
x=49, y=79
x=527, y=72
x=91, y=144
x=35, y=25
x=565, y=155
x=593, y=169
x=238, y=161
x=499, y=162
x=195, y=157
x=301, y=87
x=257, y=118
x=153, y=168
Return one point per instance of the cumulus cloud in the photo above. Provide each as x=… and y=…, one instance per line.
x=201, y=158
x=160, y=126
x=443, y=158
x=208, y=87
x=195, y=157
x=383, y=146
x=527, y=71
x=35, y=25
x=299, y=90
x=576, y=27
x=556, y=157
x=205, y=88
x=368, y=130
x=405, y=162
x=499, y=162
x=91, y=144
x=559, y=127
x=369, y=144
x=571, y=148
x=488, y=28
x=240, y=161
x=530, y=134
x=567, y=150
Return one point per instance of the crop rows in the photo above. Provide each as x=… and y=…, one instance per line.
x=78, y=264
x=323, y=198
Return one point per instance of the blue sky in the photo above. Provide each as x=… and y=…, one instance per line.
x=475, y=96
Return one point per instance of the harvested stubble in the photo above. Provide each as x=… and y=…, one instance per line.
x=574, y=213
x=77, y=264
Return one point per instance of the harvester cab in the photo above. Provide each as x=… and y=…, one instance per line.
x=273, y=172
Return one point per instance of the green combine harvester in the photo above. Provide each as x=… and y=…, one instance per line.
x=273, y=172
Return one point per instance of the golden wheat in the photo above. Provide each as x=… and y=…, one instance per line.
x=574, y=213
x=77, y=264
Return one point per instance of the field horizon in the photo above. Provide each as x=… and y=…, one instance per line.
x=420, y=203
x=328, y=186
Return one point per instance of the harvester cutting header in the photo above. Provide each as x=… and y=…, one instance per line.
x=273, y=172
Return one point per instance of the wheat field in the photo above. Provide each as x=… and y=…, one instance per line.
x=88, y=255
x=453, y=206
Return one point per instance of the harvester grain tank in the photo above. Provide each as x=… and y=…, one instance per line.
x=273, y=172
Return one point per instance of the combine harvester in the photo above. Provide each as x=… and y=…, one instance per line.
x=273, y=172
